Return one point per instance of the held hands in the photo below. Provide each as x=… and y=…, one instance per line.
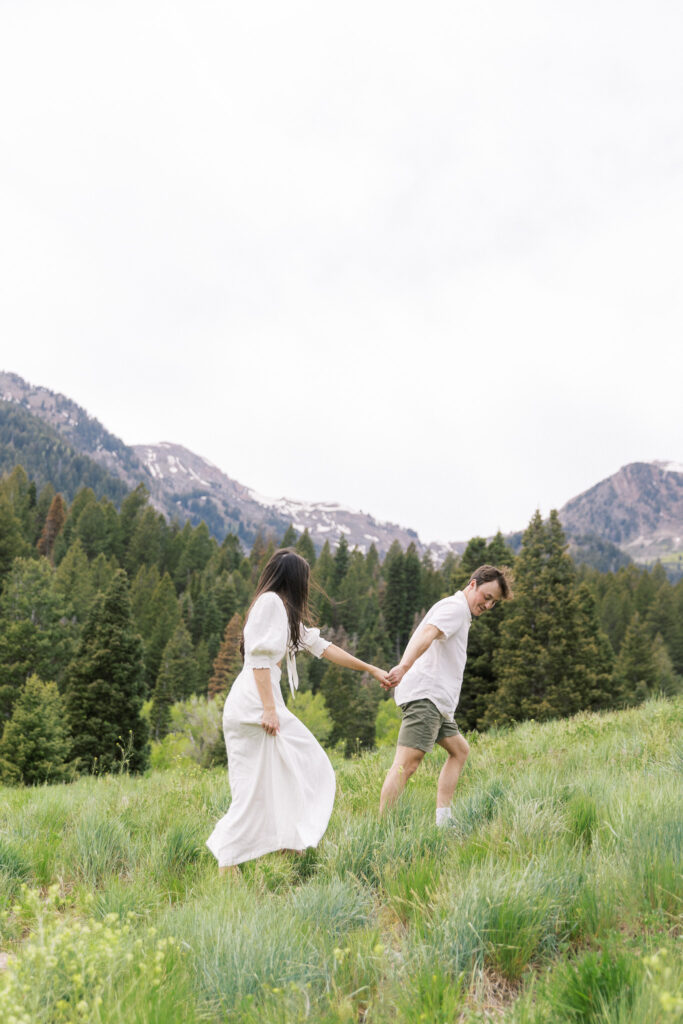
x=394, y=677
x=270, y=722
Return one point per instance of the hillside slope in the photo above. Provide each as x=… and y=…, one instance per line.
x=639, y=508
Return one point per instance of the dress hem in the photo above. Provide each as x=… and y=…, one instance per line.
x=259, y=852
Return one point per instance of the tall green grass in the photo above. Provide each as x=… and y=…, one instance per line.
x=554, y=897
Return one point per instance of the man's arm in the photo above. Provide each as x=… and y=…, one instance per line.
x=419, y=642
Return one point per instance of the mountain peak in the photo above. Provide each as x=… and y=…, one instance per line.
x=639, y=508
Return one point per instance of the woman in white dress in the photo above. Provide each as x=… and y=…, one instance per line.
x=281, y=780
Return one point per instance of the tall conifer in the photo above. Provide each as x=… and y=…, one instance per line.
x=176, y=679
x=305, y=547
x=105, y=688
x=546, y=659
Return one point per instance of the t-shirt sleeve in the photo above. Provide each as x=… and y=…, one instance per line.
x=266, y=631
x=312, y=641
x=448, y=616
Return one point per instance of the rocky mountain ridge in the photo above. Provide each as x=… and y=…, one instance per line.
x=639, y=508
x=637, y=511
x=184, y=485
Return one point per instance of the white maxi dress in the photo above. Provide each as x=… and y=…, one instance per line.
x=282, y=786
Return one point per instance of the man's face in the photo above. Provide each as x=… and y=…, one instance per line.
x=483, y=597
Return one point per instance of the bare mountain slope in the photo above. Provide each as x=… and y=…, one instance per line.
x=639, y=508
x=186, y=486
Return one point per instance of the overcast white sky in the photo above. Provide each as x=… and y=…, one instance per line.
x=422, y=259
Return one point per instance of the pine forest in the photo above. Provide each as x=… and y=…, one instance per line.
x=120, y=633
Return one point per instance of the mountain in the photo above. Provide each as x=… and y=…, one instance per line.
x=183, y=485
x=48, y=459
x=637, y=513
x=193, y=488
x=639, y=509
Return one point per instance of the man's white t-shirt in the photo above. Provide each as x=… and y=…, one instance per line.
x=437, y=674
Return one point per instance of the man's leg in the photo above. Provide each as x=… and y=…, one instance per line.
x=457, y=749
x=405, y=762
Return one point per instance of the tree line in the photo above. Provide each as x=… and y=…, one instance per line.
x=109, y=616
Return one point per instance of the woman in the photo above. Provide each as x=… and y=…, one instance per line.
x=281, y=779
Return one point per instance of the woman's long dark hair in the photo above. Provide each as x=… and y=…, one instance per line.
x=288, y=575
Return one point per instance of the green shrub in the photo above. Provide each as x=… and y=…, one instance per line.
x=35, y=743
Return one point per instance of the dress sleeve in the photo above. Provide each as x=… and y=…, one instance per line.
x=312, y=641
x=448, y=616
x=266, y=631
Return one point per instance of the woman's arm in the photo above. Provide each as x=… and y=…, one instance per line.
x=341, y=657
x=269, y=720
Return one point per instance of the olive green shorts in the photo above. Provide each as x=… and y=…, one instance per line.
x=423, y=725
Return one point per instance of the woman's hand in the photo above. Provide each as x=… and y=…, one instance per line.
x=381, y=676
x=270, y=722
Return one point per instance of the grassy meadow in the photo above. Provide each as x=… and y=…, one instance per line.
x=555, y=897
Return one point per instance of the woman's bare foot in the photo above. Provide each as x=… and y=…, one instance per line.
x=229, y=869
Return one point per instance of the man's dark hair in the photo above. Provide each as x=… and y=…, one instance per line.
x=491, y=574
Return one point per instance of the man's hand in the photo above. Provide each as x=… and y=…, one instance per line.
x=395, y=676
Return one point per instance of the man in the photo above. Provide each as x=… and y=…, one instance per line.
x=428, y=680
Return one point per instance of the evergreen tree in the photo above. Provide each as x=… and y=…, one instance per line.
x=195, y=556
x=105, y=687
x=102, y=572
x=596, y=683
x=668, y=683
x=412, y=571
x=21, y=495
x=635, y=673
x=674, y=640
x=431, y=583
x=35, y=744
x=225, y=596
x=394, y=604
x=353, y=594
x=98, y=528
x=228, y=662
x=545, y=661
x=165, y=618
x=203, y=663
x=142, y=591
x=323, y=581
x=147, y=543
x=341, y=565
x=289, y=537
x=449, y=573
x=232, y=553
x=351, y=698
x=133, y=507
x=12, y=543
x=176, y=680
x=305, y=547
x=352, y=704
x=73, y=581
x=35, y=635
